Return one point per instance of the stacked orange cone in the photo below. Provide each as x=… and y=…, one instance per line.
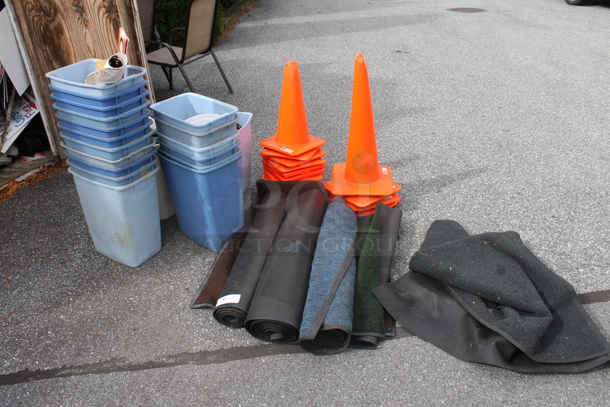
x=361, y=181
x=292, y=154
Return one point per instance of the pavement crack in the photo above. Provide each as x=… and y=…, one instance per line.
x=594, y=297
x=116, y=365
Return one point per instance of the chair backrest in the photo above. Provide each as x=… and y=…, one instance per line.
x=146, y=10
x=200, y=28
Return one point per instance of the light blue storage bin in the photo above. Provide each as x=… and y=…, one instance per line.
x=208, y=203
x=103, y=122
x=202, y=163
x=123, y=221
x=71, y=78
x=176, y=110
x=111, y=164
x=116, y=172
x=196, y=139
x=198, y=153
x=111, y=154
x=115, y=181
x=107, y=142
x=100, y=132
x=102, y=112
x=111, y=100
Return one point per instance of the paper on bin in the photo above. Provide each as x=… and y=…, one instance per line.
x=113, y=71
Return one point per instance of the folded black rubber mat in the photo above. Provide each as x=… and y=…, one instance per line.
x=327, y=319
x=277, y=307
x=487, y=298
x=269, y=212
x=369, y=323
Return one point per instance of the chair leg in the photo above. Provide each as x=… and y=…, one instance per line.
x=171, y=78
x=166, y=72
x=188, y=81
x=221, y=71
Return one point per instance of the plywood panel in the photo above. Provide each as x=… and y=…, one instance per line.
x=57, y=33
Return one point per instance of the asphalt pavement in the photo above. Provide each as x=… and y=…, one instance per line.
x=496, y=116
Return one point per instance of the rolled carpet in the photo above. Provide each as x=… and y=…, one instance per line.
x=488, y=299
x=277, y=307
x=368, y=324
x=269, y=211
x=327, y=319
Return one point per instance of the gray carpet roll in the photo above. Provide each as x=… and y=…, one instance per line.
x=327, y=319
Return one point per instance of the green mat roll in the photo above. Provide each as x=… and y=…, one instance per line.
x=368, y=324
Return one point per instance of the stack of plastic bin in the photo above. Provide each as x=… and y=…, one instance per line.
x=108, y=141
x=202, y=163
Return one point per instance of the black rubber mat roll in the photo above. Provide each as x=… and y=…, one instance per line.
x=269, y=212
x=276, y=310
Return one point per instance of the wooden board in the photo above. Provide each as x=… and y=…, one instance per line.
x=57, y=33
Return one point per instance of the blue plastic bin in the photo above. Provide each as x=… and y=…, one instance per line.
x=176, y=110
x=93, y=101
x=107, y=142
x=111, y=154
x=198, y=153
x=111, y=164
x=72, y=77
x=116, y=172
x=208, y=203
x=103, y=122
x=115, y=181
x=196, y=139
x=102, y=112
x=100, y=132
x=123, y=221
x=203, y=163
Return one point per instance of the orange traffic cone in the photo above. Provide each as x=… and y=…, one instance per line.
x=365, y=201
x=310, y=155
x=270, y=175
x=292, y=175
x=309, y=165
x=390, y=201
x=292, y=137
x=295, y=164
x=361, y=175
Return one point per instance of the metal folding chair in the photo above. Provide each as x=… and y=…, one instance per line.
x=198, y=36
